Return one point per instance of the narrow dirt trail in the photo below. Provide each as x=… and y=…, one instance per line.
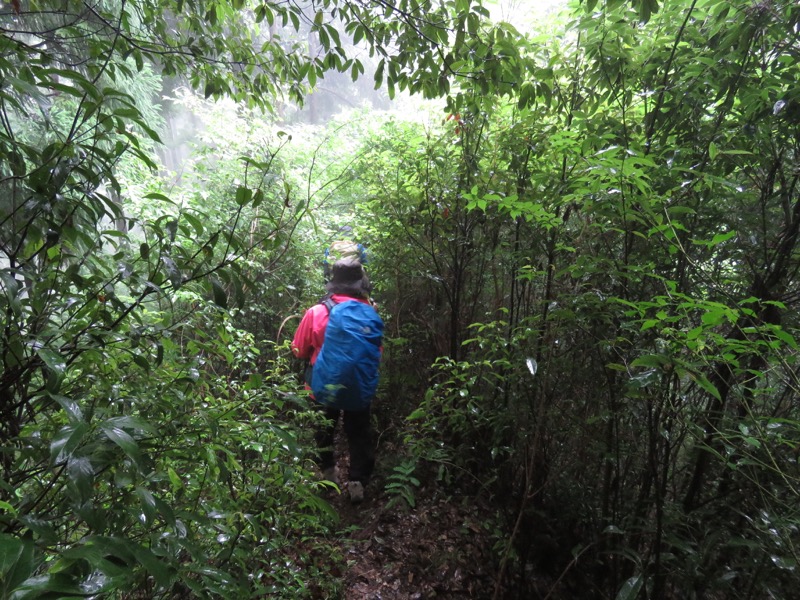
x=440, y=548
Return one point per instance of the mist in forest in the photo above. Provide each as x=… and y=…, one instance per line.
x=336, y=93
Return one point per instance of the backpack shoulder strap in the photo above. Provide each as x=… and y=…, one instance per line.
x=328, y=303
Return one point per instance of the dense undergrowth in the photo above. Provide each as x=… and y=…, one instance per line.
x=587, y=267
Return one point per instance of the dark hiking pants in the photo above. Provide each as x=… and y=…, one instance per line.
x=357, y=429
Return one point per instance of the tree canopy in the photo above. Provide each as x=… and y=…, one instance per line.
x=584, y=245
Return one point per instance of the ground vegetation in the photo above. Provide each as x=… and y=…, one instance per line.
x=585, y=253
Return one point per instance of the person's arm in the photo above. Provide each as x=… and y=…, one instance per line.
x=303, y=341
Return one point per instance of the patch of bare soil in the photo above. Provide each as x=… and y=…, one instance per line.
x=439, y=549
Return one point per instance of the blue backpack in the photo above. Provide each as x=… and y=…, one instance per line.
x=345, y=374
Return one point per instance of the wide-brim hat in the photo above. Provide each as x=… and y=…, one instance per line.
x=349, y=279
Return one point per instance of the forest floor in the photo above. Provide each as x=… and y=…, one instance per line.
x=439, y=548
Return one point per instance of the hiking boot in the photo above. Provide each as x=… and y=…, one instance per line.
x=356, y=491
x=331, y=474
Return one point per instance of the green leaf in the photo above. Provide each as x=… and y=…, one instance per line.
x=71, y=408
x=630, y=589
x=379, y=73
x=751, y=441
x=148, y=504
x=785, y=337
x=54, y=585
x=174, y=479
x=220, y=297
x=358, y=34
x=254, y=381
x=66, y=441
x=11, y=289
x=419, y=413
x=142, y=362
x=56, y=366
x=721, y=237
x=650, y=360
x=158, y=196
x=121, y=549
x=196, y=223
x=288, y=439
x=173, y=273
x=124, y=440
x=80, y=476
x=712, y=318
x=129, y=422
x=704, y=383
x=10, y=550
x=159, y=353
x=16, y=562
x=243, y=195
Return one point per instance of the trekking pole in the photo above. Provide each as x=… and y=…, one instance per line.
x=280, y=329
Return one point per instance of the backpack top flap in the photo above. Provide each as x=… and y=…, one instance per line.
x=346, y=371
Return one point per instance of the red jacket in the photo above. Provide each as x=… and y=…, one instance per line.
x=308, y=339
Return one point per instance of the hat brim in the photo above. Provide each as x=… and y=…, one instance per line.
x=357, y=289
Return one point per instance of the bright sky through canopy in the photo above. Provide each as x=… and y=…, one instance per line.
x=523, y=13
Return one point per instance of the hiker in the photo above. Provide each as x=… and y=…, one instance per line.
x=342, y=249
x=343, y=372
